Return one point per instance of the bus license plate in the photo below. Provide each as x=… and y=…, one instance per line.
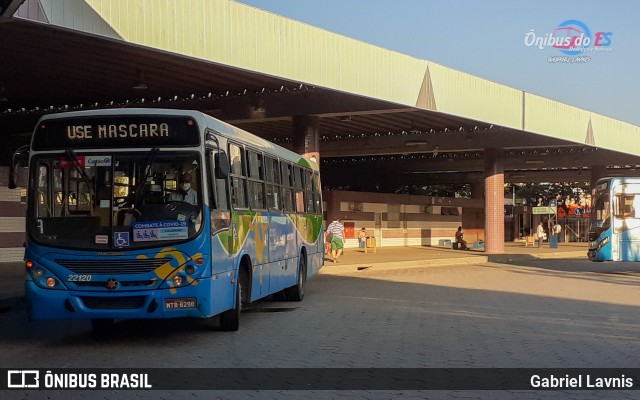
x=175, y=304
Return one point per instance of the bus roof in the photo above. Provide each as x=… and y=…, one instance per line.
x=620, y=179
x=203, y=120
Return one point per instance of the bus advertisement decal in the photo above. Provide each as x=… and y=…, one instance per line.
x=102, y=239
x=97, y=161
x=66, y=163
x=160, y=230
x=149, y=235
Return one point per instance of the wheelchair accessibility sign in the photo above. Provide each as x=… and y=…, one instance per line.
x=121, y=239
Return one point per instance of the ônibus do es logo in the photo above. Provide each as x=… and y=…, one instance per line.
x=572, y=38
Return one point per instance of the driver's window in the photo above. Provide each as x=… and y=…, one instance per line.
x=218, y=198
x=238, y=177
x=43, y=201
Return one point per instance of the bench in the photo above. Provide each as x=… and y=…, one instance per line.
x=477, y=245
x=529, y=240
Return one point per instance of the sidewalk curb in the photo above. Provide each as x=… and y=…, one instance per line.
x=533, y=257
x=340, y=268
x=330, y=268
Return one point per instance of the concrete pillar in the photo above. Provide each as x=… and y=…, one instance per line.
x=305, y=136
x=333, y=206
x=494, y=200
x=477, y=189
x=597, y=172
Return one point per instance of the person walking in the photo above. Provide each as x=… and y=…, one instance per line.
x=337, y=241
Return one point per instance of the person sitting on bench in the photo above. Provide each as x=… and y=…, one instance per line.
x=461, y=242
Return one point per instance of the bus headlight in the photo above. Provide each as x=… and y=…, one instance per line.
x=597, y=245
x=177, y=280
x=43, y=277
x=603, y=242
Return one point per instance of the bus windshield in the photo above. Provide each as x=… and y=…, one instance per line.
x=601, y=212
x=109, y=200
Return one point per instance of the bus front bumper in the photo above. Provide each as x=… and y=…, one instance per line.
x=194, y=300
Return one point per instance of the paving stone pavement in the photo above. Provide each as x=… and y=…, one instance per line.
x=557, y=313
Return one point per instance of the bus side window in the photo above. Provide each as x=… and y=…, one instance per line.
x=218, y=199
x=317, y=195
x=298, y=178
x=308, y=192
x=238, y=177
x=624, y=206
x=287, y=186
x=272, y=178
x=255, y=168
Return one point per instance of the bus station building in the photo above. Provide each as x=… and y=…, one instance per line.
x=374, y=119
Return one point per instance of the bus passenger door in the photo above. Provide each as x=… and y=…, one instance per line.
x=220, y=215
x=626, y=230
x=278, y=227
x=278, y=224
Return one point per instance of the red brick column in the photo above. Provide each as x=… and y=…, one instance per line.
x=494, y=200
x=305, y=136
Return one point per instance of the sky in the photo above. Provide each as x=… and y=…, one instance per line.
x=487, y=39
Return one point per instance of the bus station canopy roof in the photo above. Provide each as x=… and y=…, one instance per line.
x=258, y=71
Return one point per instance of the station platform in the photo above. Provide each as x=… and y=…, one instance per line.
x=12, y=285
x=418, y=256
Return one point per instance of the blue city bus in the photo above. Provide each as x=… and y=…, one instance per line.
x=112, y=235
x=614, y=234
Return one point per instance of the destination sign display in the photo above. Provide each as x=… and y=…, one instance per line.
x=116, y=131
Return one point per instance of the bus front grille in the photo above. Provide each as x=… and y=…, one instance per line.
x=147, y=283
x=136, y=266
x=112, y=303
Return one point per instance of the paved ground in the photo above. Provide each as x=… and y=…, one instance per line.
x=529, y=312
x=416, y=256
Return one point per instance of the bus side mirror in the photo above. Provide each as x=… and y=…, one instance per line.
x=222, y=165
x=18, y=170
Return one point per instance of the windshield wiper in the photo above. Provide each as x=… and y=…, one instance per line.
x=143, y=179
x=72, y=156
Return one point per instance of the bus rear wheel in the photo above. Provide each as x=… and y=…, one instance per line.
x=296, y=292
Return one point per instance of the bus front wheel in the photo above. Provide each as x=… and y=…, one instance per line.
x=230, y=319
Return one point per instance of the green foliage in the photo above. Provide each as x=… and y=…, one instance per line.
x=545, y=190
x=462, y=191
